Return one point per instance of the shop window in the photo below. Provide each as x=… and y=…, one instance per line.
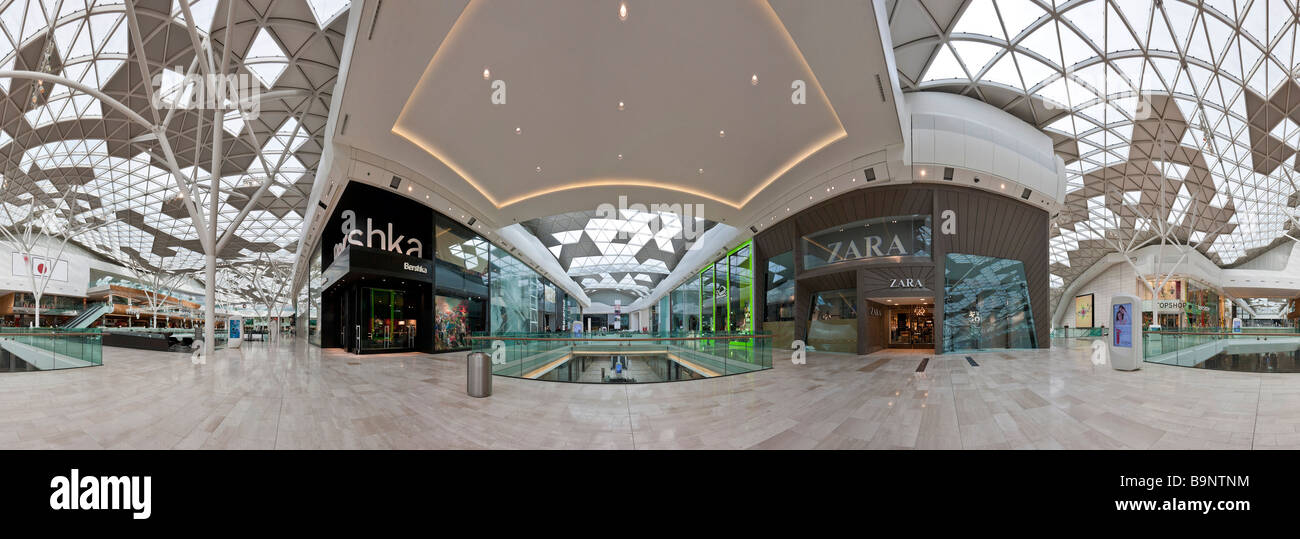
x=832, y=322
x=986, y=304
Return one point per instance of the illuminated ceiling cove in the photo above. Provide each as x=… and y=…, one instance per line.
x=680, y=95
x=54, y=138
x=1181, y=113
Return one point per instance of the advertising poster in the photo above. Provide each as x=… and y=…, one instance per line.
x=234, y=329
x=1083, y=314
x=1121, y=317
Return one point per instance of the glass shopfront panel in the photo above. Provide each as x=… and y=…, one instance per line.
x=686, y=306
x=516, y=291
x=778, y=310
x=706, y=299
x=314, y=283
x=986, y=304
x=832, y=322
x=907, y=235
x=721, y=318
x=455, y=319
x=740, y=290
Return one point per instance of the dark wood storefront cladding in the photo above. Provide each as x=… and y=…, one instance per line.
x=994, y=225
x=987, y=224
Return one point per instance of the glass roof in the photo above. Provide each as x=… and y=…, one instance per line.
x=627, y=252
x=1182, y=111
x=55, y=139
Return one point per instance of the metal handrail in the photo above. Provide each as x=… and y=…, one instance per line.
x=49, y=334
x=565, y=339
x=1244, y=334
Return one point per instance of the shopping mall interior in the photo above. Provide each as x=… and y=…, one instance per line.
x=650, y=224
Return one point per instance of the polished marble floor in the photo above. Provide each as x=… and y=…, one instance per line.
x=293, y=396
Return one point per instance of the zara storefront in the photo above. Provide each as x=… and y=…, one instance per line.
x=925, y=265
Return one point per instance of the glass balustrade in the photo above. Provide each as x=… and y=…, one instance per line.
x=623, y=357
x=42, y=349
x=1248, y=350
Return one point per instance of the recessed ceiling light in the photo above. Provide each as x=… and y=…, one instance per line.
x=620, y=105
x=487, y=73
x=922, y=173
x=518, y=130
x=539, y=168
x=754, y=79
x=1004, y=186
x=701, y=171
x=620, y=157
x=622, y=11
x=722, y=134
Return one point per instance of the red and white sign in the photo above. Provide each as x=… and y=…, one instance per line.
x=40, y=266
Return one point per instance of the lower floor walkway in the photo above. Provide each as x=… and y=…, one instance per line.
x=294, y=396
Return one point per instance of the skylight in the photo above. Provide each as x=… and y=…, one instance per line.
x=1120, y=79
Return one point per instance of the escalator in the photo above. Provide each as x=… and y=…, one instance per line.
x=89, y=316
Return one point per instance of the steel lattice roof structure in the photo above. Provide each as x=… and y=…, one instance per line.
x=1173, y=116
x=68, y=61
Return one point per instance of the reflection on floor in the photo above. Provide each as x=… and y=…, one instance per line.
x=1259, y=362
x=294, y=396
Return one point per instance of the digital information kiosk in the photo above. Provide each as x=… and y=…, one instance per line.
x=236, y=326
x=1125, y=333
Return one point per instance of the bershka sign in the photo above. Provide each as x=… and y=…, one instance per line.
x=414, y=267
x=386, y=241
x=92, y=493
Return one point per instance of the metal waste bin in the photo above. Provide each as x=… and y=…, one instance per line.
x=478, y=378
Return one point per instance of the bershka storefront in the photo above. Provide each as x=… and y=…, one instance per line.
x=379, y=273
x=922, y=266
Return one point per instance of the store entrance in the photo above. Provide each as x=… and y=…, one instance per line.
x=388, y=320
x=911, y=323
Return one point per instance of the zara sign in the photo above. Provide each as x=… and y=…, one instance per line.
x=906, y=283
x=872, y=238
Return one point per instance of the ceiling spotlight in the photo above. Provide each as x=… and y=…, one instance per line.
x=539, y=169
x=701, y=171
x=622, y=11
x=620, y=157
x=518, y=130
x=487, y=73
x=754, y=80
x=922, y=173
x=722, y=134
x=620, y=105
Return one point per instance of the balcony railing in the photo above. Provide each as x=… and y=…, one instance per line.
x=43, y=349
x=624, y=357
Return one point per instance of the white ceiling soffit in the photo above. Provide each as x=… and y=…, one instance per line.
x=1182, y=111
x=694, y=128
